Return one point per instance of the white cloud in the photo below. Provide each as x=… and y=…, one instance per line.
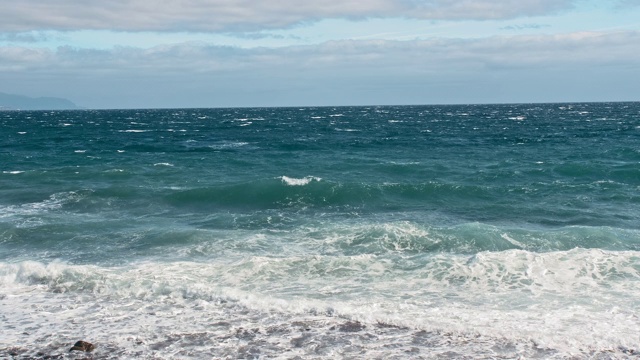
x=245, y=15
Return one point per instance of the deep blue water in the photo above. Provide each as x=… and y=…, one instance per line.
x=489, y=221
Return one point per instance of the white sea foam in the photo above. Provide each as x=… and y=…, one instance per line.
x=163, y=164
x=565, y=304
x=299, y=182
x=54, y=202
x=13, y=172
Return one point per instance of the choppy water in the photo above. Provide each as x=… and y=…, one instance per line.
x=485, y=231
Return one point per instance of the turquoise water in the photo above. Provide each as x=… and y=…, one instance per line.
x=358, y=232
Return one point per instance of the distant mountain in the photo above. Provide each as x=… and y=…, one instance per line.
x=19, y=102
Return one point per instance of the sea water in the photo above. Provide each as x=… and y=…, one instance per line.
x=390, y=232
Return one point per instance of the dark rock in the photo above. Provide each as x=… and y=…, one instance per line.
x=383, y=325
x=246, y=334
x=83, y=346
x=351, y=326
x=300, y=341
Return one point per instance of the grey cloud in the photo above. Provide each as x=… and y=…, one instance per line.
x=438, y=54
x=524, y=27
x=628, y=3
x=24, y=37
x=246, y=15
x=255, y=35
x=575, y=66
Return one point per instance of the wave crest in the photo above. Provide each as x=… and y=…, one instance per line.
x=298, y=182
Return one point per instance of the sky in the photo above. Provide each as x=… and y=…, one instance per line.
x=237, y=53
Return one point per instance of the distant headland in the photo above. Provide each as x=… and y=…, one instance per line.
x=20, y=102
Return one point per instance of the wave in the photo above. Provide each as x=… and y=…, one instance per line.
x=567, y=273
x=54, y=202
x=470, y=238
x=488, y=203
x=311, y=191
x=116, y=238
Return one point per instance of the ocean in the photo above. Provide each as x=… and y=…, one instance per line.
x=380, y=232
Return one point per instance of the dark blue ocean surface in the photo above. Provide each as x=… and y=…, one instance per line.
x=512, y=228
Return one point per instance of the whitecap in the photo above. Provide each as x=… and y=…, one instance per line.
x=298, y=182
x=14, y=172
x=54, y=202
x=163, y=164
x=228, y=145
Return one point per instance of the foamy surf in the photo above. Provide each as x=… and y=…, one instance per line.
x=507, y=304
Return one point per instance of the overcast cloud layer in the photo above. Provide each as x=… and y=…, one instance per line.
x=419, y=56
x=581, y=50
x=246, y=15
x=499, y=69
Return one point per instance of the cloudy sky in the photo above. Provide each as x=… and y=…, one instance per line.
x=219, y=53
